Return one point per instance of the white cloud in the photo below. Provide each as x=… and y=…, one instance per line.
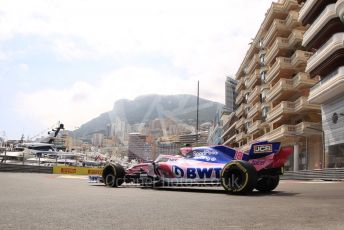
x=205, y=40
x=3, y=56
x=191, y=33
x=24, y=67
x=83, y=101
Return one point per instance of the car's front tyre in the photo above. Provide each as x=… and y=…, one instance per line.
x=113, y=175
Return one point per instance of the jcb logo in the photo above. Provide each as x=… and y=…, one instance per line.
x=262, y=148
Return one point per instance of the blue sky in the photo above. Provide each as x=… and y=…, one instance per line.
x=69, y=61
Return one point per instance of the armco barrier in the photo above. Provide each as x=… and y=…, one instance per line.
x=25, y=168
x=76, y=170
x=319, y=174
x=323, y=174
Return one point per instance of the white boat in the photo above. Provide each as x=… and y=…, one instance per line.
x=33, y=151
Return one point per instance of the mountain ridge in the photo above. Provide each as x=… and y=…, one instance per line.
x=145, y=108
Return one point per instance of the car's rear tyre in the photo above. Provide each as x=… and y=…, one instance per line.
x=238, y=177
x=267, y=183
x=113, y=175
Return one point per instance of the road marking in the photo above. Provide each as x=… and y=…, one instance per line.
x=73, y=177
x=309, y=182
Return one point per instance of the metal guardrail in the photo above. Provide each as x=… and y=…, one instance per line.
x=320, y=174
x=323, y=174
x=25, y=168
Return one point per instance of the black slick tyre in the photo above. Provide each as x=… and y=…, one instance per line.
x=113, y=175
x=267, y=183
x=238, y=177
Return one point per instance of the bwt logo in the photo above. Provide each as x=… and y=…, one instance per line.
x=262, y=148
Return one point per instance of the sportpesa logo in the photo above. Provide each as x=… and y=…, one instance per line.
x=262, y=148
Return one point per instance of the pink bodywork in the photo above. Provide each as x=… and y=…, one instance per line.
x=273, y=160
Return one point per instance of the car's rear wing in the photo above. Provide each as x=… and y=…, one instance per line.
x=262, y=149
x=269, y=154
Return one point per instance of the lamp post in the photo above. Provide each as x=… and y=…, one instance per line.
x=197, y=113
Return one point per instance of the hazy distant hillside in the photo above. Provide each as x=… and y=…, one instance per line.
x=149, y=107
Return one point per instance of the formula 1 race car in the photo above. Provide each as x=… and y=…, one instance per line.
x=237, y=172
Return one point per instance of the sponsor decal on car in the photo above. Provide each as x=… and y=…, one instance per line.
x=262, y=148
x=196, y=173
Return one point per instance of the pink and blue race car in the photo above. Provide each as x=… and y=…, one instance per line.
x=236, y=171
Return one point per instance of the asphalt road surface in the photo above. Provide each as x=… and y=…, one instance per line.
x=43, y=201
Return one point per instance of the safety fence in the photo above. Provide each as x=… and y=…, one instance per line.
x=319, y=174
x=50, y=170
x=77, y=170
x=25, y=168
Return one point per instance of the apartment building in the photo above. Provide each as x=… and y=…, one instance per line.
x=230, y=94
x=273, y=88
x=325, y=37
x=139, y=147
x=229, y=132
x=194, y=139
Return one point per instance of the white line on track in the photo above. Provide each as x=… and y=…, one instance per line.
x=73, y=177
x=309, y=182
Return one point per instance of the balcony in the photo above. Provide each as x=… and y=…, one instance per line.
x=240, y=85
x=240, y=97
x=280, y=45
x=295, y=38
x=239, y=123
x=299, y=82
x=253, y=64
x=251, y=51
x=277, y=29
x=300, y=58
x=281, y=65
x=290, y=130
x=302, y=80
x=281, y=108
x=323, y=19
x=246, y=79
x=240, y=110
x=278, y=10
x=301, y=105
x=292, y=19
x=254, y=78
x=228, y=128
x=254, y=110
x=228, y=135
x=254, y=127
x=275, y=11
x=230, y=140
x=239, y=136
x=328, y=88
x=277, y=89
x=263, y=87
x=328, y=57
x=240, y=73
x=243, y=67
x=255, y=93
x=291, y=5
